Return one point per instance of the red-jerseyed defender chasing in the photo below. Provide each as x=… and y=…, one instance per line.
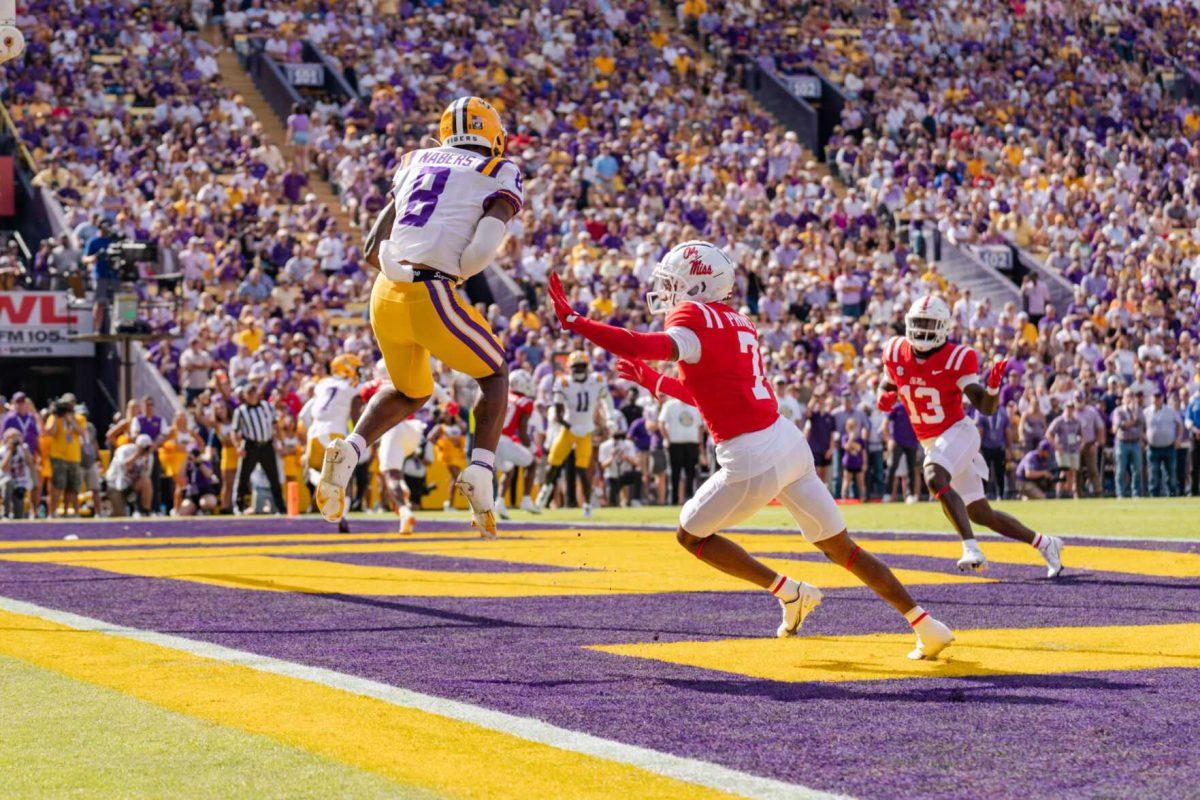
x=931, y=375
x=762, y=455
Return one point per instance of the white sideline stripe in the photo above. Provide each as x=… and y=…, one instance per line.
x=689, y=770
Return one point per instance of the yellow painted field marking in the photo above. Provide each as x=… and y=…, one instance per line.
x=597, y=562
x=410, y=746
x=881, y=656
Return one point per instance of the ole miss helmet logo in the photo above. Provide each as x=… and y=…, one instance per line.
x=700, y=268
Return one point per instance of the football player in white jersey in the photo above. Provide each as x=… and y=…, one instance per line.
x=445, y=221
x=327, y=414
x=395, y=447
x=576, y=401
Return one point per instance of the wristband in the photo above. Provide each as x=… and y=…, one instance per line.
x=992, y=391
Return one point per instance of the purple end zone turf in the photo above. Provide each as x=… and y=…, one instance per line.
x=1020, y=736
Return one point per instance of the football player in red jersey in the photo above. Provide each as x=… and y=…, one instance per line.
x=931, y=375
x=762, y=455
x=514, y=449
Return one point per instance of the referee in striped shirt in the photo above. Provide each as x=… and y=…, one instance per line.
x=254, y=436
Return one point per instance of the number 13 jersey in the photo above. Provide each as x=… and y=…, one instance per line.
x=720, y=365
x=931, y=388
x=441, y=194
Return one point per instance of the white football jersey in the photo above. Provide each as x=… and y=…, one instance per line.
x=579, y=399
x=330, y=406
x=440, y=196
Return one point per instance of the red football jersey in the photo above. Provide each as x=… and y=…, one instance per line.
x=520, y=408
x=931, y=388
x=728, y=383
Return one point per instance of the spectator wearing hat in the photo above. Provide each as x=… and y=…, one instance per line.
x=65, y=429
x=254, y=436
x=150, y=423
x=1035, y=472
x=128, y=476
x=1164, y=429
x=1066, y=434
x=1129, y=431
x=17, y=471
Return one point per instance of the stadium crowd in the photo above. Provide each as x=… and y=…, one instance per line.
x=632, y=139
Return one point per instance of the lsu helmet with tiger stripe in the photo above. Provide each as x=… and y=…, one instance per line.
x=472, y=121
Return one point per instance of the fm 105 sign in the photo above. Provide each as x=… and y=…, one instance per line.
x=38, y=324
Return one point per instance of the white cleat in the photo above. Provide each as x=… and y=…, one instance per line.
x=408, y=521
x=501, y=509
x=1053, y=555
x=795, y=611
x=973, y=559
x=587, y=510
x=475, y=482
x=543, y=498
x=527, y=504
x=340, y=462
x=934, y=638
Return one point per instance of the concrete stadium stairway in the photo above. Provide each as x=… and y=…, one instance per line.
x=966, y=272
x=233, y=76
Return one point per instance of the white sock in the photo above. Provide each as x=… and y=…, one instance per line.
x=1039, y=542
x=917, y=616
x=485, y=457
x=971, y=546
x=785, y=588
x=358, y=443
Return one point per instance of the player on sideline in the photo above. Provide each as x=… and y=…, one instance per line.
x=327, y=414
x=931, y=375
x=448, y=212
x=762, y=455
x=514, y=451
x=576, y=401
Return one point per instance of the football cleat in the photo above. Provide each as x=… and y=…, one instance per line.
x=475, y=482
x=527, y=504
x=933, y=639
x=973, y=559
x=796, y=610
x=1052, y=552
x=408, y=520
x=336, y=471
x=501, y=508
x=587, y=510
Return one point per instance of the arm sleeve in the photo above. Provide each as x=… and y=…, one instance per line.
x=479, y=252
x=968, y=371
x=625, y=343
x=686, y=342
x=673, y=387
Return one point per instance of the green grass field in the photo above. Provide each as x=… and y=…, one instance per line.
x=1159, y=518
x=65, y=738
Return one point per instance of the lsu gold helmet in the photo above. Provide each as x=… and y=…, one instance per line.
x=578, y=365
x=346, y=366
x=472, y=121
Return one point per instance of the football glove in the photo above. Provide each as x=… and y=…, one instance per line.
x=562, y=308
x=996, y=375
x=886, y=402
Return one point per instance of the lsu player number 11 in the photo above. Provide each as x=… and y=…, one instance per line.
x=762, y=455
x=445, y=220
x=931, y=375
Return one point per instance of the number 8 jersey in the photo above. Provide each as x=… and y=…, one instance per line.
x=931, y=388
x=720, y=364
x=441, y=194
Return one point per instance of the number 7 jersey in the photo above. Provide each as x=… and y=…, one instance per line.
x=931, y=388
x=721, y=366
x=441, y=194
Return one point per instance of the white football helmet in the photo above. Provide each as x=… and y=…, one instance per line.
x=927, y=323
x=693, y=270
x=521, y=382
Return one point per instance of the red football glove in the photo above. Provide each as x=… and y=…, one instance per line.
x=996, y=375
x=562, y=307
x=639, y=372
x=886, y=402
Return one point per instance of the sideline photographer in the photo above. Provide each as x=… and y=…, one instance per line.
x=66, y=429
x=16, y=473
x=1037, y=473
x=128, y=476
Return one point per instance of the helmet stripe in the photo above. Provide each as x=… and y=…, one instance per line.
x=460, y=124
